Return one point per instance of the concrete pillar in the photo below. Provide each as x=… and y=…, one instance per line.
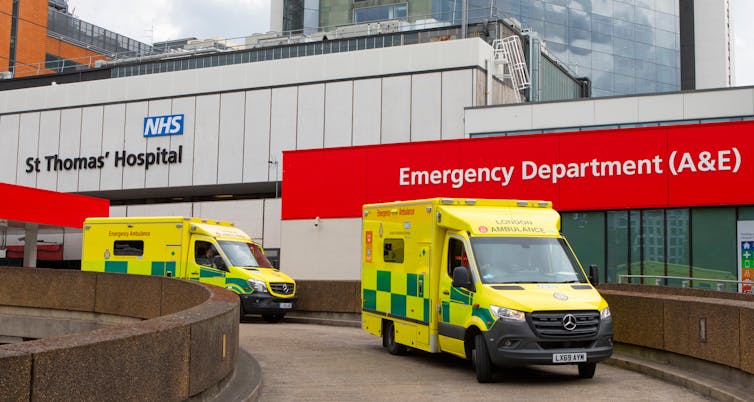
x=30, y=245
x=276, y=15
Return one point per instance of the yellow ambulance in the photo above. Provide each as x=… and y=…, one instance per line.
x=491, y=281
x=208, y=251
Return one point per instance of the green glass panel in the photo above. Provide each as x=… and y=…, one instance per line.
x=678, y=252
x=653, y=244
x=713, y=246
x=617, y=245
x=585, y=232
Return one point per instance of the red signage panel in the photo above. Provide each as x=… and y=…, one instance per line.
x=653, y=167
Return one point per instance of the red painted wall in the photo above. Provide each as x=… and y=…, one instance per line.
x=25, y=204
x=656, y=167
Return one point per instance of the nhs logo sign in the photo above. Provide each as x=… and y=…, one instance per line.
x=156, y=126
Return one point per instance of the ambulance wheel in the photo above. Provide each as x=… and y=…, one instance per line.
x=481, y=358
x=273, y=318
x=586, y=370
x=388, y=340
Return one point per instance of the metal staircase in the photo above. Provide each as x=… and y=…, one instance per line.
x=509, y=64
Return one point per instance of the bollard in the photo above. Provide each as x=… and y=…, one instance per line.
x=720, y=286
x=658, y=281
x=685, y=284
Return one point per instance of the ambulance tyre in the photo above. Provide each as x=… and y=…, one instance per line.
x=586, y=370
x=273, y=318
x=388, y=340
x=481, y=358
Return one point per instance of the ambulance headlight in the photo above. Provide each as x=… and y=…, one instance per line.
x=506, y=313
x=605, y=313
x=258, y=286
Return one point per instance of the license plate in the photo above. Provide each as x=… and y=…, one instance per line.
x=286, y=305
x=568, y=357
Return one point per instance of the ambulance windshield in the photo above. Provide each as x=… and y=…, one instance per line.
x=525, y=260
x=244, y=254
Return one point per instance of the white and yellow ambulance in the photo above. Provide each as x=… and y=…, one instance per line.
x=207, y=251
x=492, y=281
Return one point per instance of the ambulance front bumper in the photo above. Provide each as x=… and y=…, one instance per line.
x=515, y=343
x=265, y=303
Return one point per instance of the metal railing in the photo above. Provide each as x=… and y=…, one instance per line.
x=659, y=280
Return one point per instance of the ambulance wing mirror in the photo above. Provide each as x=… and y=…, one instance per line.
x=461, y=278
x=594, y=276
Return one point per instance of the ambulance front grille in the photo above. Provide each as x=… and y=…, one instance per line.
x=283, y=288
x=566, y=323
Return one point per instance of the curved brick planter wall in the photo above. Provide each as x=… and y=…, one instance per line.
x=708, y=325
x=187, y=343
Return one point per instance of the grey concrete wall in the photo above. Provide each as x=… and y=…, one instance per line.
x=186, y=343
x=707, y=325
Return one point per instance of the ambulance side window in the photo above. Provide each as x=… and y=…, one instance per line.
x=204, y=253
x=392, y=251
x=457, y=256
x=128, y=247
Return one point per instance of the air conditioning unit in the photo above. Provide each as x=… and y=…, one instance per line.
x=100, y=63
x=6, y=75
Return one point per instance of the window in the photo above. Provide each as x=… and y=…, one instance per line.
x=379, y=13
x=457, y=256
x=392, y=251
x=204, y=253
x=128, y=247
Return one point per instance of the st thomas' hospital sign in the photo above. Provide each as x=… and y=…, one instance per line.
x=154, y=126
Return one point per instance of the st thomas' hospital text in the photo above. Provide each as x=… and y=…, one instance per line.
x=55, y=163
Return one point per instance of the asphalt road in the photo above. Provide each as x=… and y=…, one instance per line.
x=305, y=362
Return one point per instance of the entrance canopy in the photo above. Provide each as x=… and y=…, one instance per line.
x=31, y=211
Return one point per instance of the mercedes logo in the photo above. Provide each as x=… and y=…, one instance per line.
x=569, y=322
x=285, y=288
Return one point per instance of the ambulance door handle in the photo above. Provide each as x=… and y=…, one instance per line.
x=445, y=292
x=194, y=273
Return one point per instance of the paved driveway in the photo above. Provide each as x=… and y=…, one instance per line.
x=304, y=362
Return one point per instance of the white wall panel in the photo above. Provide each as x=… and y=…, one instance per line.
x=497, y=119
x=367, y=111
x=177, y=209
x=49, y=138
x=157, y=175
x=563, y=114
x=272, y=213
x=330, y=251
x=396, y=109
x=91, y=146
x=181, y=174
x=113, y=131
x=134, y=143
x=118, y=211
x=246, y=215
x=426, y=107
x=283, y=126
x=257, y=136
x=231, y=138
x=456, y=95
x=338, y=114
x=614, y=111
x=70, y=142
x=205, y=139
x=72, y=245
x=311, y=116
x=9, y=155
x=660, y=107
x=719, y=104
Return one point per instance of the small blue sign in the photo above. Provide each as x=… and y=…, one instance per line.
x=156, y=126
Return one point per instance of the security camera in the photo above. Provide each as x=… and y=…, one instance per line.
x=316, y=222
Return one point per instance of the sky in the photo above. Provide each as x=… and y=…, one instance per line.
x=157, y=20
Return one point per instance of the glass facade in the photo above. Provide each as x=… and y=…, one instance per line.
x=696, y=243
x=624, y=47
x=89, y=35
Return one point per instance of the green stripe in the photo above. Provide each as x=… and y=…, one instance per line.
x=210, y=273
x=483, y=314
x=383, y=281
x=460, y=295
x=238, y=282
x=426, y=310
x=411, y=285
x=370, y=299
x=118, y=267
x=158, y=268
x=445, y=311
x=398, y=305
